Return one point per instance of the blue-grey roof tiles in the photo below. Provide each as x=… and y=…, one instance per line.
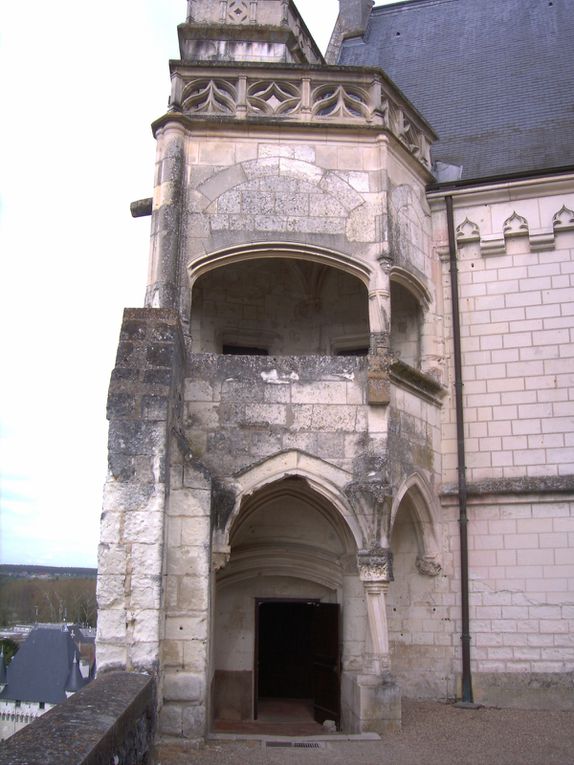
x=41, y=669
x=494, y=78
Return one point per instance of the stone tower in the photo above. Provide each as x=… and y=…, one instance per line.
x=276, y=405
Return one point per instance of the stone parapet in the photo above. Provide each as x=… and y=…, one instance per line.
x=111, y=720
x=317, y=96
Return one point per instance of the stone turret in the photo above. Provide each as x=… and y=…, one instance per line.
x=246, y=30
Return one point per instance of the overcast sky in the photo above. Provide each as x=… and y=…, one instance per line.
x=81, y=83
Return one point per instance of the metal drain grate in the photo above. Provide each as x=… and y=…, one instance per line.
x=294, y=744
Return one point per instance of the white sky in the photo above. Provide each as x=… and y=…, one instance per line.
x=81, y=84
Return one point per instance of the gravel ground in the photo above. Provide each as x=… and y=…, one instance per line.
x=432, y=734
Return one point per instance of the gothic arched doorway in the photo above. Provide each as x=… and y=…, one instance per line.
x=289, y=613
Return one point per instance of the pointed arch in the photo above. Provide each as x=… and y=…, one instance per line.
x=421, y=500
x=327, y=480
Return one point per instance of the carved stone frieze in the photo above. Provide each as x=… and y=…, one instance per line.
x=375, y=565
x=428, y=565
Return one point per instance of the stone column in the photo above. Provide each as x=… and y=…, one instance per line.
x=380, y=358
x=375, y=572
x=164, y=266
x=380, y=699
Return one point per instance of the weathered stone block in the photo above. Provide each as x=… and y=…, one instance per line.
x=194, y=722
x=144, y=657
x=112, y=625
x=193, y=594
x=111, y=591
x=135, y=437
x=183, y=686
x=186, y=627
x=121, y=405
x=121, y=466
x=111, y=656
x=192, y=502
x=195, y=655
x=187, y=561
x=145, y=625
x=155, y=408
x=195, y=531
x=112, y=559
x=378, y=390
x=145, y=592
x=147, y=558
x=333, y=418
x=171, y=720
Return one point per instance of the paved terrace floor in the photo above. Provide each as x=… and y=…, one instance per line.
x=432, y=734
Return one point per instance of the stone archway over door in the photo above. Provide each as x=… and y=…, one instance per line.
x=287, y=545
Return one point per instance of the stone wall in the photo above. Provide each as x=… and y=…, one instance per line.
x=515, y=253
x=241, y=409
x=517, y=302
x=143, y=408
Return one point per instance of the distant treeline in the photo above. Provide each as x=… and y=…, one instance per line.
x=33, y=599
x=49, y=572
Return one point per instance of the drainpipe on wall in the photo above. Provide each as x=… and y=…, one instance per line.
x=467, y=697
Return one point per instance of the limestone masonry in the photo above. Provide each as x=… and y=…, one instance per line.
x=287, y=482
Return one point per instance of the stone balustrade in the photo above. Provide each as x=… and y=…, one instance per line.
x=110, y=721
x=346, y=96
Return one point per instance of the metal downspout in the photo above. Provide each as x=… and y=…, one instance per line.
x=467, y=697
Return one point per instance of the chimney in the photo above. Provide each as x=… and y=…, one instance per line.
x=353, y=16
x=351, y=22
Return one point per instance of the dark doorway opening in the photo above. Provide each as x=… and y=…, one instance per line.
x=297, y=655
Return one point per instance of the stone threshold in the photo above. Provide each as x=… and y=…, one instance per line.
x=268, y=738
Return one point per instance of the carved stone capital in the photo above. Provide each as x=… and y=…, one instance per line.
x=375, y=565
x=428, y=565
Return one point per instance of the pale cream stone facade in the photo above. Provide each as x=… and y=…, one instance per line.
x=291, y=218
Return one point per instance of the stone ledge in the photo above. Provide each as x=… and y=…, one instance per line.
x=525, y=485
x=112, y=720
x=414, y=381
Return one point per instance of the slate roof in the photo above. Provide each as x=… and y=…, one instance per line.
x=41, y=668
x=494, y=78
